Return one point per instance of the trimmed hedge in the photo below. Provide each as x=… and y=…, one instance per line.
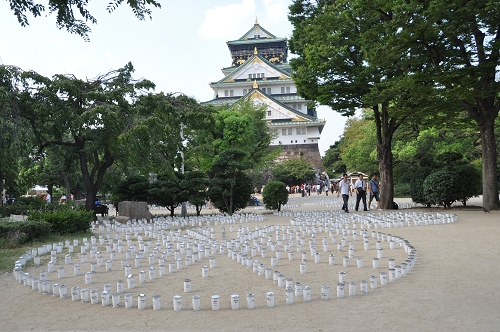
x=23, y=205
x=16, y=233
x=65, y=221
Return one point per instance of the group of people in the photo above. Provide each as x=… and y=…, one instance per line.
x=360, y=187
x=307, y=188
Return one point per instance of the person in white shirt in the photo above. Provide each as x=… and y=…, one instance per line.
x=360, y=187
x=344, y=189
x=48, y=198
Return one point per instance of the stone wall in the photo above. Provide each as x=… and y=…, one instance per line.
x=310, y=153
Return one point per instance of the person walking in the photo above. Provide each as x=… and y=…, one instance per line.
x=360, y=187
x=374, y=188
x=344, y=189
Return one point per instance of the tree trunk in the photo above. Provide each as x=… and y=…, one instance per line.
x=66, y=184
x=1, y=188
x=385, y=158
x=97, y=173
x=489, y=155
x=386, y=126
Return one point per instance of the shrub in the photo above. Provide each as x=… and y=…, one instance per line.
x=65, y=220
x=442, y=188
x=470, y=183
x=417, y=178
x=402, y=190
x=16, y=233
x=275, y=195
x=23, y=205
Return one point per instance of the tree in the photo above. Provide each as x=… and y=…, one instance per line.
x=332, y=161
x=65, y=17
x=90, y=116
x=332, y=68
x=455, y=48
x=16, y=135
x=132, y=188
x=164, y=134
x=358, y=151
x=294, y=171
x=230, y=188
x=275, y=195
x=241, y=126
x=168, y=191
x=196, y=184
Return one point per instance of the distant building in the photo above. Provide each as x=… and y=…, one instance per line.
x=260, y=71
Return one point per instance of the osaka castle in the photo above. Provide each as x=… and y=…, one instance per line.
x=260, y=71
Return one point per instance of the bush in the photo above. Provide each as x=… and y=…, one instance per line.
x=23, y=205
x=275, y=195
x=417, y=178
x=402, y=190
x=65, y=220
x=442, y=188
x=470, y=181
x=14, y=234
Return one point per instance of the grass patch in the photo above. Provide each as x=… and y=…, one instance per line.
x=8, y=256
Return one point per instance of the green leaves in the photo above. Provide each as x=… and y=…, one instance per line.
x=65, y=16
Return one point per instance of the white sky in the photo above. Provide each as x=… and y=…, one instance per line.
x=181, y=50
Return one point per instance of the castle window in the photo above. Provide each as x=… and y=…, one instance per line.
x=263, y=75
x=283, y=132
x=226, y=93
x=249, y=75
x=282, y=89
x=299, y=106
x=289, y=131
x=245, y=91
x=231, y=93
x=287, y=89
x=268, y=113
x=301, y=130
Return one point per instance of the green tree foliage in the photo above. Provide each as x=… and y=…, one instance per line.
x=332, y=161
x=65, y=16
x=275, y=195
x=450, y=52
x=230, y=188
x=16, y=135
x=333, y=69
x=196, y=184
x=131, y=188
x=165, y=133
x=358, y=151
x=89, y=116
x=241, y=127
x=294, y=171
x=168, y=191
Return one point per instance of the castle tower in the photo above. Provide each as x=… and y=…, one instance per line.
x=260, y=71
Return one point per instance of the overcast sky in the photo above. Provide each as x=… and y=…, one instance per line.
x=181, y=50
